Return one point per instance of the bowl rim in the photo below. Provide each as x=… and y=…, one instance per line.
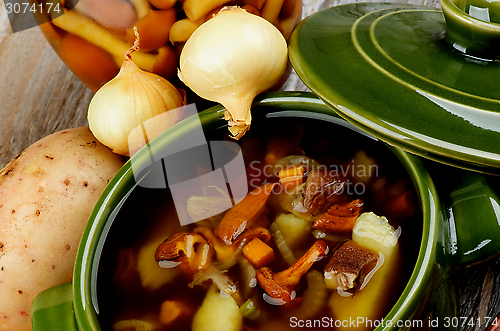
x=123, y=183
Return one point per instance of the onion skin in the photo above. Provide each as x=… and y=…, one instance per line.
x=232, y=58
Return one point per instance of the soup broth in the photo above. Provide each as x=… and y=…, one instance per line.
x=136, y=292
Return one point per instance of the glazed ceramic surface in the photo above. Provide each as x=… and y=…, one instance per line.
x=388, y=69
x=80, y=309
x=472, y=208
x=473, y=27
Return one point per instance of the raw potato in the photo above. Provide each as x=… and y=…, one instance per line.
x=46, y=197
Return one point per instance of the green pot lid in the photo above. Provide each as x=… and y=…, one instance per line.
x=388, y=69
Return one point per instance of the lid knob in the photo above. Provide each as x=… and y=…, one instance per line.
x=473, y=27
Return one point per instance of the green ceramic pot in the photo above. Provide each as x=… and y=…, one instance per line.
x=71, y=306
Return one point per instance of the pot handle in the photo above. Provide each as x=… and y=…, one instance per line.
x=52, y=309
x=469, y=234
x=472, y=227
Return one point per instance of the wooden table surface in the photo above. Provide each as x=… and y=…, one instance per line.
x=39, y=95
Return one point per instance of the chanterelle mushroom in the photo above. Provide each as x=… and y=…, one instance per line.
x=340, y=217
x=190, y=250
x=280, y=286
x=249, y=212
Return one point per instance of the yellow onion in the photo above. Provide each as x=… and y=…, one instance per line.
x=133, y=108
x=232, y=58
